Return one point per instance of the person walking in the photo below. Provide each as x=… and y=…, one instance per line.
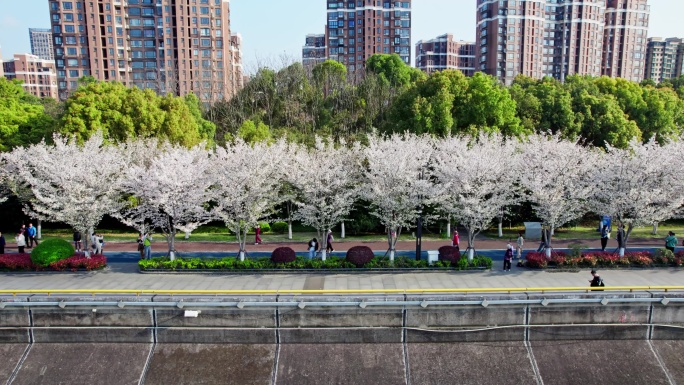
x=670, y=241
x=2, y=244
x=257, y=235
x=77, y=241
x=508, y=256
x=520, y=242
x=456, y=240
x=31, y=232
x=147, y=244
x=596, y=280
x=313, y=248
x=605, y=236
x=328, y=242
x=141, y=246
x=97, y=244
x=21, y=242
x=22, y=231
x=542, y=243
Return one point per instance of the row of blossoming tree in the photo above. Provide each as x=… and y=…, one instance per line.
x=150, y=184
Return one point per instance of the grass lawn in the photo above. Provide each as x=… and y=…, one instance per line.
x=221, y=235
x=586, y=231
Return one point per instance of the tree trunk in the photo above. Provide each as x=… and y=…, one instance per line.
x=549, y=234
x=342, y=233
x=654, y=232
x=471, y=243
x=500, y=229
x=39, y=229
x=448, y=232
x=187, y=235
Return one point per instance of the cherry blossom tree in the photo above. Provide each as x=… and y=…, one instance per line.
x=173, y=189
x=479, y=177
x=247, y=179
x=558, y=178
x=71, y=183
x=641, y=184
x=398, y=181
x=327, y=179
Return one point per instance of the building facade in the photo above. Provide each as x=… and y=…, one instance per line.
x=38, y=75
x=172, y=47
x=314, y=49
x=538, y=38
x=664, y=58
x=41, y=43
x=625, y=39
x=358, y=29
x=443, y=52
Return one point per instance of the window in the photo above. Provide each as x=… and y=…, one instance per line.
x=205, y=42
x=71, y=51
x=73, y=73
x=68, y=28
x=72, y=62
x=67, y=17
x=204, y=20
x=56, y=29
x=70, y=39
x=204, y=10
x=67, y=5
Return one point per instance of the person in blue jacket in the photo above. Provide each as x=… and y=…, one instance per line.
x=31, y=232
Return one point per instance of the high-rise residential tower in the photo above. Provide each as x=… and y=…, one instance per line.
x=41, y=43
x=170, y=46
x=625, y=38
x=38, y=75
x=556, y=38
x=313, y=51
x=443, y=52
x=357, y=29
x=664, y=58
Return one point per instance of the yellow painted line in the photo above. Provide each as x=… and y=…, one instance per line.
x=352, y=291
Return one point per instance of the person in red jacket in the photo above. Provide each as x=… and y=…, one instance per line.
x=455, y=241
x=257, y=235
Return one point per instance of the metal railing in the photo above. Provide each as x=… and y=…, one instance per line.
x=487, y=290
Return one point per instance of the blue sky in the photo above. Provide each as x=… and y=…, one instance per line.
x=272, y=29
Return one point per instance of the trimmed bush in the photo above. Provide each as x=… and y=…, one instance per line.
x=279, y=227
x=449, y=254
x=265, y=227
x=663, y=256
x=50, y=251
x=359, y=255
x=283, y=255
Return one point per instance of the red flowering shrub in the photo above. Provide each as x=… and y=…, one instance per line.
x=642, y=258
x=283, y=255
x=22, y=262
x=663, y=256
x=537, y=260
x=77, y=262
x=359, y=255
x=449, y=253
x=16, y=262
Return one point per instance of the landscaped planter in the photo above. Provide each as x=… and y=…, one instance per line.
x=22, y=262
x=331, y=264
x=606, y=260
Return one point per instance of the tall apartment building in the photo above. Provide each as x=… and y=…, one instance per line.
x=38, y=75
x=313, y=51
x=171, y=46
x=625, y=38
x=556, y=38
x=443, y=52
x=357, y=29
x=664, y=58
x=237, y=75
x=41, y=43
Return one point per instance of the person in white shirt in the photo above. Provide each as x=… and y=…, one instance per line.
x=21, y=242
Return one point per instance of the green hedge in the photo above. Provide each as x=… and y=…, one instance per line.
x=304, y=263
x=50, y=251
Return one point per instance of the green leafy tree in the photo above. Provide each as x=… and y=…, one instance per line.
x=22, y=117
